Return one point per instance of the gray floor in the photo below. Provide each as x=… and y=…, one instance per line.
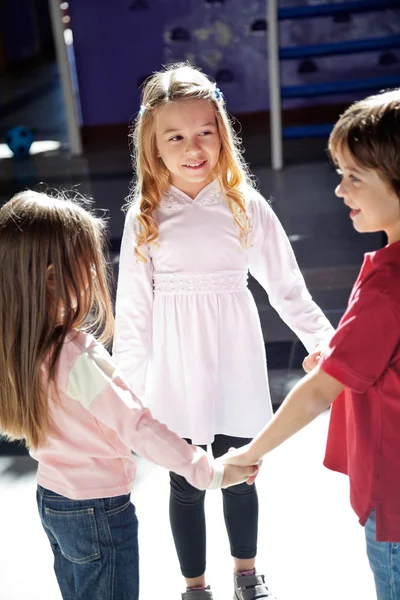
x=311, y=546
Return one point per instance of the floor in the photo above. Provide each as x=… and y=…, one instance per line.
x=311, y=546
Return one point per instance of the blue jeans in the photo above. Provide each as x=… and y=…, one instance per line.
x=95, y=545
x=384, y=559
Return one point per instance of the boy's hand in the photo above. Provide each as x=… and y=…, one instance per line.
x=312, y=360
x=234, y=474
x=243, y=458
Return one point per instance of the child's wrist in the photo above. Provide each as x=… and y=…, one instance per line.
x=218, y=476
x=253, y=454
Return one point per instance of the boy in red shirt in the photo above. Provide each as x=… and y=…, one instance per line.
x=359, y=373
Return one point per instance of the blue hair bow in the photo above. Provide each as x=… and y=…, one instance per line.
x=219, y=95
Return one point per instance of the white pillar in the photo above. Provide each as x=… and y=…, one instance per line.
x=274, y=85
x=74, y=132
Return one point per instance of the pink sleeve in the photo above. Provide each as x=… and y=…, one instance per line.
x=95, y=383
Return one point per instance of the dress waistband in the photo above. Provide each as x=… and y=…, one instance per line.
x=195, y=283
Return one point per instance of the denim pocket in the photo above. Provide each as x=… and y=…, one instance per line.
x=76, y=533
x=118, y=509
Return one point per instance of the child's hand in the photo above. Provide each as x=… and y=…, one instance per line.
x=312, y=360
x=234, y=474
x=242, y=458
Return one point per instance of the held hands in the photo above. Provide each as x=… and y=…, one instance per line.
x=240, y=463
x=235, y=473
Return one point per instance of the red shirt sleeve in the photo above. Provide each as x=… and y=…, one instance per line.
x=365, y=341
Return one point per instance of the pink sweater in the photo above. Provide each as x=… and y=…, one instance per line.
x=97, y=424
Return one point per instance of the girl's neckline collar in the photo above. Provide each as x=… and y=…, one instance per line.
x=174, y=197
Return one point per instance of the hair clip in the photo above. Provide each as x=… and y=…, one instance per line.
x=219, y=95
x=142, y=110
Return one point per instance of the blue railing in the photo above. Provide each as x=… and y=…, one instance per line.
x=328, y=10
x=347, y=47
x=276, y=53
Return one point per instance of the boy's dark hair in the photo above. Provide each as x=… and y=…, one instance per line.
x=370, y=131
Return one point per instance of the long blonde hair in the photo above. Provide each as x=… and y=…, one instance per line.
x=182, y=82
x=48, y=248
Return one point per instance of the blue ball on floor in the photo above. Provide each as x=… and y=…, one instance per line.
x=19, y=139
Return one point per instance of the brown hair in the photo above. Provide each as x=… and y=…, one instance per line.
x=370, y=131
x=182, y=82
x=48, y=248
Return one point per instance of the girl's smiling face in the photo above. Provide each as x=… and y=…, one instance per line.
x=188, y=142
x=374, y=205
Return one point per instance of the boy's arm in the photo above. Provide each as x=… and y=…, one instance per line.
x=363, y=348
x=308, y=399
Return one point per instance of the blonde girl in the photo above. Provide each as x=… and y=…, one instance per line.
x=188, y=335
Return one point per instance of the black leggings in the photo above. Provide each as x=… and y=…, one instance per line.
x=186, y=512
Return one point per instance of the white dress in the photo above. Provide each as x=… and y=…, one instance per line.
x=188, y=336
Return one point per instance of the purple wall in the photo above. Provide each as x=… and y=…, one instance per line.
x=115, y=47
x=119, y=42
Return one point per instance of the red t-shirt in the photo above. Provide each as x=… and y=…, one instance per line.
x=364, y=430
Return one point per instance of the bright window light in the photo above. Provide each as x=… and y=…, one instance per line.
x=36, y=148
